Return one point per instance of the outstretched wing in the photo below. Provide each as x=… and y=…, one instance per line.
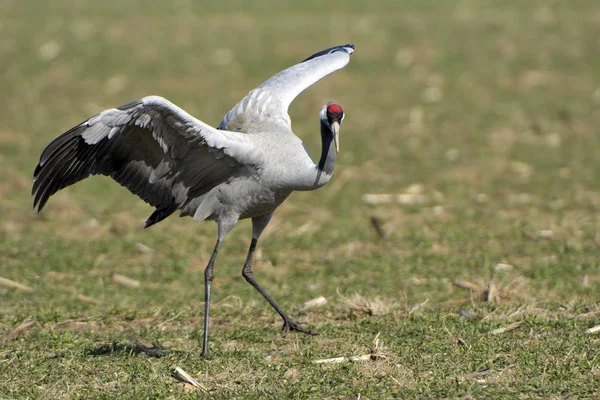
x=152, y=147
x=265, y=108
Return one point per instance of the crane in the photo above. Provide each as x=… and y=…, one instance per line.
x=244, y=168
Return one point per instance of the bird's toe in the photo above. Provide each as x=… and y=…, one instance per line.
x=289, y=325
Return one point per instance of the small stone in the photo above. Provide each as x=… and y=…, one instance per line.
x=404, y=58
x=142, y=248
x=432, y=94
x=452, y=154
x=553, y=140
x=503, y=267
x=481, y=198
x=415, y=188
x=49, y=50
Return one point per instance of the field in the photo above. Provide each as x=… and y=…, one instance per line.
x=478, y=278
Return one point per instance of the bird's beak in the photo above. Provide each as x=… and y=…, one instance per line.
x=335, y=127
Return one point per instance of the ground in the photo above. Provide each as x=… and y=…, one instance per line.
x=477, y=275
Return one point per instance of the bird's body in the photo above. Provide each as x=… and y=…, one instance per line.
x=245, y=168
x=258, y=190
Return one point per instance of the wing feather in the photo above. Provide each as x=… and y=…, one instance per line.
x=265, y=108
x=152, y=147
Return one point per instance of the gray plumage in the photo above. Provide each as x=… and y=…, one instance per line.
x=245, y=168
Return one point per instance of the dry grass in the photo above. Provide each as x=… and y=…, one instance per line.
x=359, y=305
x=495, y=292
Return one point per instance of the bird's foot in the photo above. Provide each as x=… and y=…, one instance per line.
x=289, y=325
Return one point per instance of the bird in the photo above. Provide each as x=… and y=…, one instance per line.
x=244, y=168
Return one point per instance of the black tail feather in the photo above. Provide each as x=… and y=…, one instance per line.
x=160, y=214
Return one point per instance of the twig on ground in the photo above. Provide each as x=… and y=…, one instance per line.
x=402, y=198
x=239, y=303
x=14, y=285
x=494, y=293
x=491, y=295
x=170, y=319
x=418, y=306
x=182, y=376
x=23, y=326
x=595, y=329
x=314, y=303
x=506, y=328
x=89, y=300
x=378, y=226
x=338, y=360
x=376, y=354
x=467, y=285
x=142, y=248
x=125, y=281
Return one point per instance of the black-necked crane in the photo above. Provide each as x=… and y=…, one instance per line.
x=245, y=168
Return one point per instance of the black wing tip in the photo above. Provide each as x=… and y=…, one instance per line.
x=38, y=202
x=160, y=213
x=40, y=198
x=35, y=189
x=42, y=188
x=346, y=48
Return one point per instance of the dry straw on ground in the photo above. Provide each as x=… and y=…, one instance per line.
x=182, y=376
x=593, y=330
x=125, y=280
x=14, y=285
x=23, y=327
x=494, y=292
x=377, y=352
x=314, y=303
x=358, y=304
x=506, y=328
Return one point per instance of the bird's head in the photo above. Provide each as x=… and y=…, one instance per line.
x=332, y=116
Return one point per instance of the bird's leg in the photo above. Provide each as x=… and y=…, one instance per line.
x=258, y=224
x=208, y=278
x=224, y=227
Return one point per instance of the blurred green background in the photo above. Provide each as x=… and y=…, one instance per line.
x=482, y=114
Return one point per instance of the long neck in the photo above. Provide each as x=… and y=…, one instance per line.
x=319, y=174
x=327, y=161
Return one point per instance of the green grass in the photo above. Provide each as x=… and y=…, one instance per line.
x=491, y=107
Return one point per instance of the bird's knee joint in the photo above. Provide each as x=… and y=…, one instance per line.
x=209, y=275
x=247, y=272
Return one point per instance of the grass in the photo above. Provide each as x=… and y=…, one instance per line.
x=485, y=111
